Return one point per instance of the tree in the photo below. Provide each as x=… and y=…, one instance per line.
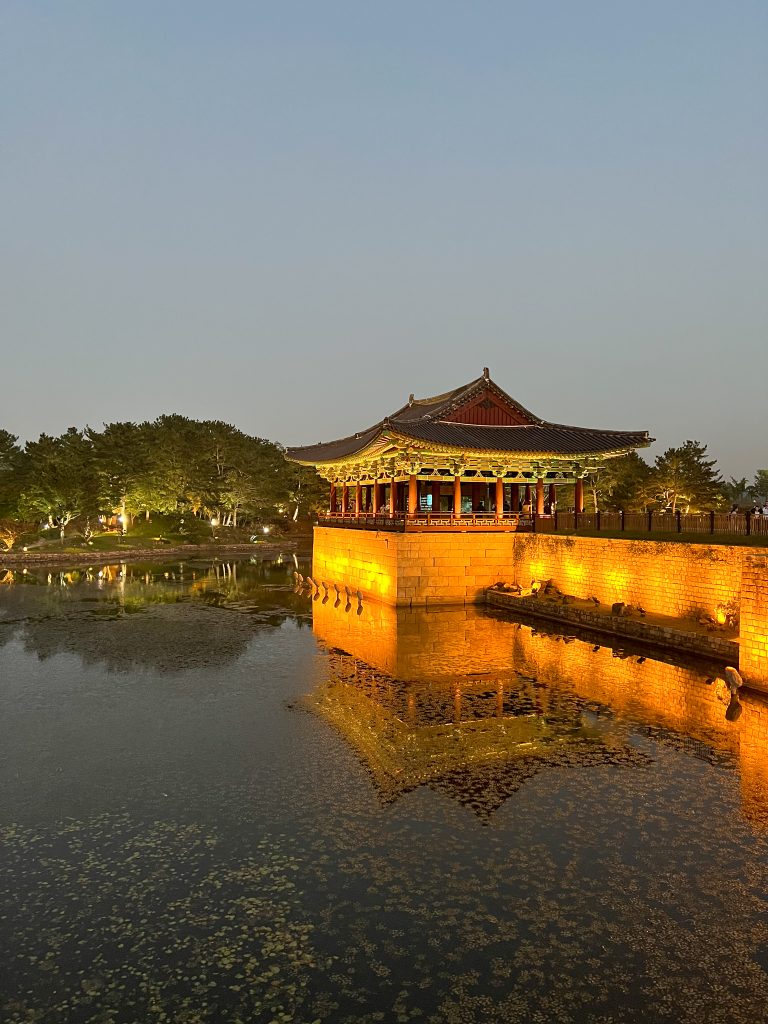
x=620, y=481
x=307, y=491
x=10, y=473
x=759, y=489
x=122, y=458
x=737, y=491
x=60, y=481
x=11, y=529
x=683, y=476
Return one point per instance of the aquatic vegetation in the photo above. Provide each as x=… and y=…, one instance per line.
x=116, y=919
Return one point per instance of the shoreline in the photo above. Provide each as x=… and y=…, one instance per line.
x=21, y=559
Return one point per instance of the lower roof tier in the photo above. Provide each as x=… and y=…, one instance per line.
x=478, y=422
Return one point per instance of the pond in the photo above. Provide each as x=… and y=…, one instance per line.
x=224, y=798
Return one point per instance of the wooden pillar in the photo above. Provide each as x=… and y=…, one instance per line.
x=552, y=497
x=413, y=495
x=499, y=497
x=332, y=500
x=435, y=488
x=376, y=497
x=477, y=495
x=392, y=497
x=358, y=499
x=527, y=497
x=540, y=497
x=514, y=497
x=457, y=496
x=579, y=495
x=344, y=499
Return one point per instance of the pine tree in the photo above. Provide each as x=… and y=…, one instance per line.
x=683, y=476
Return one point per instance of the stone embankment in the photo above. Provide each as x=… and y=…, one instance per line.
x=20, y=559
x=712, y=642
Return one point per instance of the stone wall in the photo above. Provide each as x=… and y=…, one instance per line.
x=753, y=633
x=412, y=568
x=665, y=578
x=673, y=579
x=455, y=568
x=361, y=560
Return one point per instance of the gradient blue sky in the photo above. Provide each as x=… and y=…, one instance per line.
x=291, y=215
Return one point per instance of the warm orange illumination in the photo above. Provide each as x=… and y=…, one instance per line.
x=458, y=652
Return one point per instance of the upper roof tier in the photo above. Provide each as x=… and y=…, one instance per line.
x=478, y=417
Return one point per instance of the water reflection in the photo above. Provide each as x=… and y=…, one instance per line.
x=168, y=616
x=473, y=704
x=187, y=847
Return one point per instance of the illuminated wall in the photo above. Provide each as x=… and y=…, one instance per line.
x=674, y=579
x=412, y=568
x=421, y=568
x=753, y=634
x=665, y=578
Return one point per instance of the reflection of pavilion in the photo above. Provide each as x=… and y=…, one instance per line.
x=473, y=705
x=476, y=739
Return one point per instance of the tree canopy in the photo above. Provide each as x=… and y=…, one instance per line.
x=173, y=464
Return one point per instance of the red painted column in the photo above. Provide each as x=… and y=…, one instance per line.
x=527, y=497
x=457, y=496
x=392, y=498
x=579, y=495
x=435, y=498
x=376, y=497
x=332, y=500
x=552, y=497
x=514, y=497
x=540, y=497
x=344, y=499
x=499, y=498
x=358, y=499
x=413, y=495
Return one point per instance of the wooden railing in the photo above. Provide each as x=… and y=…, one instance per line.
x=712, y=523
x=401, y=522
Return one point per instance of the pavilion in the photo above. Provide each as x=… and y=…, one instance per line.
x=472, y=453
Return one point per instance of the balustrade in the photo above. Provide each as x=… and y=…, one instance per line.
x=693, y=523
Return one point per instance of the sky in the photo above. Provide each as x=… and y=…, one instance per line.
x=291, y=215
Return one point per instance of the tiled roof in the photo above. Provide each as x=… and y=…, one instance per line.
x=541, y=438
x=423, y=419
x=330, y=450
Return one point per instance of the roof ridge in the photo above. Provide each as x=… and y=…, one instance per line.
x=528, y=426
x=434, y=399
x=598, y=430
x=489, y=385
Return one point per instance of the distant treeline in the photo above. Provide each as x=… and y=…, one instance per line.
x=211, y=470
x=682, y=479
x=203, y=468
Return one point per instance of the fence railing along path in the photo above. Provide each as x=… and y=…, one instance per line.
x=712, y=523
